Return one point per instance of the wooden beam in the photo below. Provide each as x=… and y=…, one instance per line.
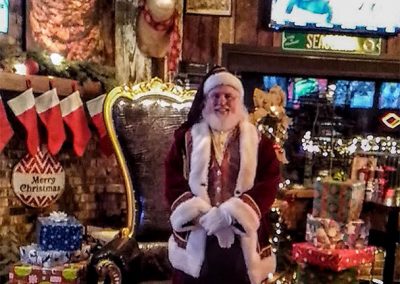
x=41, y=84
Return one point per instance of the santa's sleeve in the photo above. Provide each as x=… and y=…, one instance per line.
x=248, y=209
x=185, y=207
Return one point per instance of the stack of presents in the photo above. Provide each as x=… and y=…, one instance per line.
x=59, y=255
x=336, y=237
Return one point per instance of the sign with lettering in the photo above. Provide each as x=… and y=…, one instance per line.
x=38, y=180
x=331, y=43
x=4, y=5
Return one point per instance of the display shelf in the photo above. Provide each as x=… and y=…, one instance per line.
x=41, y=84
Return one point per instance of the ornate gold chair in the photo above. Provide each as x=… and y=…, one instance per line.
x=141, y=120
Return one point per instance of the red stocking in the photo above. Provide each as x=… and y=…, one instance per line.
x=5, y=127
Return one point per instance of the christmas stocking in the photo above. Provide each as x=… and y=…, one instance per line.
x=23, y=106
x=48, y=108
x=95, y=108
x=74, y=116
x=6, y=132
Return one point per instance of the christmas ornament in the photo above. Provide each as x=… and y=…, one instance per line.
x=74, y=116
x=48, y=109
x=23, y=106
x=38, y=180
x=32, y=67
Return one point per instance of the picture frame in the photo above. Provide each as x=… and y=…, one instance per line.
x=209, y=7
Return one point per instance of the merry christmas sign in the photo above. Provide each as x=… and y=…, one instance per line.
x=38, y=180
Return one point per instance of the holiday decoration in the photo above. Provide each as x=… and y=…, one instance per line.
x=32, y=67
x=38, y=181
x=23, y=107
x=333, y=259
x=340, y=147
x=58, y=232
x=95, y=108
x=270, y=117
x=74, y=116
x=340, y=201
x=328, y=233
x=63, y=274
x=5, y=127
x=48, y=109
x=307, y=274
x=32, y=254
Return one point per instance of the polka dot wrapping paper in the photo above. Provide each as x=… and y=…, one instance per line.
x=333, y=259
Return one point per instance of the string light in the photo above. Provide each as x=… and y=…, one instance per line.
x=327, y=146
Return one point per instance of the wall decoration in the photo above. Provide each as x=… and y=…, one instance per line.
x=209, y=7
x=4, y=5
x=38, y=181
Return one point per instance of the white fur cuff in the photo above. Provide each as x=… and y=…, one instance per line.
x=186, y=212
x=243, y=213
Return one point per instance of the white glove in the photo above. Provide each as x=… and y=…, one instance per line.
x=226, y=237
x=214, y=220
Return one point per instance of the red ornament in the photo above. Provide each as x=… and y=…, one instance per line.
x=32, y=67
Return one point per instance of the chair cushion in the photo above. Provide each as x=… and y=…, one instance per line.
x=145, y=133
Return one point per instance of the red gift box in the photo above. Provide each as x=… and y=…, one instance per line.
x=71, y=273
x=334, y=259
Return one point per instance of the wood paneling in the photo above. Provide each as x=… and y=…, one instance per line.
x=246, y=22
x=200, y=38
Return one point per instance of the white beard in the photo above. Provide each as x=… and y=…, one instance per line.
x=225, y=123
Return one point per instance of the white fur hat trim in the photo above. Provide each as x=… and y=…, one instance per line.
x=223, y=78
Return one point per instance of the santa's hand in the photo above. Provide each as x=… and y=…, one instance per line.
x=226, y=237
x=214, y=220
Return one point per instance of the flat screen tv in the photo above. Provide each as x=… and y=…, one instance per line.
x=361, y=16
x=308, y=87
x=361, y=94
x=389, y=95
x=270, y=81
x=341, y=93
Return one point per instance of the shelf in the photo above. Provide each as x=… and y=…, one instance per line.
x=41, y=84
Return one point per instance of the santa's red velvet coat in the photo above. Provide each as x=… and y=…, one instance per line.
x=192, y=176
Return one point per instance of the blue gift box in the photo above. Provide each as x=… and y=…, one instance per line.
x=64, y=234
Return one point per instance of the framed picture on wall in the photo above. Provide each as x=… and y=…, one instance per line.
x=209, y=7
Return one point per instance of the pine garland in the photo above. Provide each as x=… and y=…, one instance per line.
x=75, y=70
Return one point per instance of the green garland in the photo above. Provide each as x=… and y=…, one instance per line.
x=75, y=70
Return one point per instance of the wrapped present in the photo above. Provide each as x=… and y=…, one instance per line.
x=73, y=273
x=313, y=274
x=59, y=232
x=337, y=200
x=328, y=233
x=32, y=254
x=334, y=259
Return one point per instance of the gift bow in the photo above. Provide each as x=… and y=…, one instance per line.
x=58, y=216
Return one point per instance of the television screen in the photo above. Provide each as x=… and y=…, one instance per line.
x=270, y=81
x=389, y=95
x=361, y=94
x=308, y=87
x=351, y=15
x=341, y=92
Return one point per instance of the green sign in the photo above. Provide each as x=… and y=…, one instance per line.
x=4, y=5
x=331, y=43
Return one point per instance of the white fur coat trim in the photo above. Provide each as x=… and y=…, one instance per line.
x=189, y=259
x=257, y=268
x=201, y=153
x=187, y=211
x=242, y=213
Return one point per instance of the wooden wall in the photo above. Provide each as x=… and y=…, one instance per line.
x=204, y=35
